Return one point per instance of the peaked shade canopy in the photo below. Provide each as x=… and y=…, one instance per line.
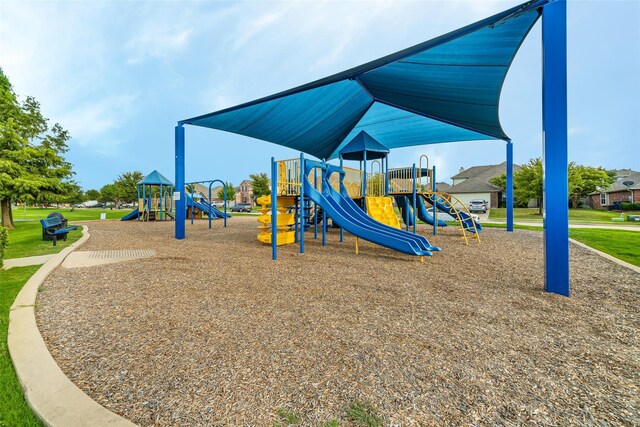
x=443, y=90
x=363, y=143
x=155, y=178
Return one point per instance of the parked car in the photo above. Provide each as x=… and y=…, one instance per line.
x=478, y=205
x=218, y=205
x=241, y=207
x=448, y=218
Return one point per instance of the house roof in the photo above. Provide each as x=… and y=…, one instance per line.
x=474, y=185
x=476, y=178
x=622, y=176
x=442, y=90
x=443, y=186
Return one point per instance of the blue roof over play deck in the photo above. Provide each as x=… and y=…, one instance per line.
x=443, y=90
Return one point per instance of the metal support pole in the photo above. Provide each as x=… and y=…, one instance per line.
x=406, y=213
x=181, y=207
x=509, y=189
x=315, y=206
x=364, y=176
x=415, y=220
x=554, y=135
x=434, y=187
x=302, y=204
x=324, y=213
x=340, y=183
x=274, y=209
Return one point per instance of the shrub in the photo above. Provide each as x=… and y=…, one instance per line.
x=626, y=206
x=4, y=242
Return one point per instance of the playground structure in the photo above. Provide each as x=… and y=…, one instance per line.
x=199, y=206
x=404, y=186
x=406, y=99
x=155, y=201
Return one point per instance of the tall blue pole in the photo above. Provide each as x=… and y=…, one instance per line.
x=364, y=183
x=415, y=183
x=181, y=208
x=554, y=157
x=434, y=187
x=274, y=209
x=509, y=186
x=341, y=178
x=302, y=204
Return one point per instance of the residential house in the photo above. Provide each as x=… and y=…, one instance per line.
x=473, y=183
x=244, y=192
x=626, y=188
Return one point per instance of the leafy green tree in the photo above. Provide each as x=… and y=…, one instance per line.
x=527, y=182
x=499, y=181
x=260, y=185
x=126, y=186
x=92, y=195
x=73, y=193
x=231, y=191
x=109, y=193
x=32, y=166
x=584, y=180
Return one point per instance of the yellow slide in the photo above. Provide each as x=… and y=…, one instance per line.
x=283, y=224
x=381, y=209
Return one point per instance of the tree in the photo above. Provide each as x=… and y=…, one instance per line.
x=109, y=193
x=92, y=195
x=260, y=185
x=527, y=182
x=73, y=193
x=32, y=166
x=126, y=186
x=231, y=191
x=499, y=181
x=584, y=180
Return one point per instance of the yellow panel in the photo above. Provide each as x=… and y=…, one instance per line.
x=381, y=209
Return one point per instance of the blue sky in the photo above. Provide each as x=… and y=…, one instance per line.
x=119, y=75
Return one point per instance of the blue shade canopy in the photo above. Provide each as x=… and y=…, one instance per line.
x=363, y=143
x=443, y=90
x=155, y=178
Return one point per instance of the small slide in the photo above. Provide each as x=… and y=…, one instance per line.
x=346, y=214
x=209, y=209
x=131, y=215
x=424, y=215
x=444, y=206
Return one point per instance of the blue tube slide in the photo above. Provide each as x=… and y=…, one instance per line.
x=425, y=216
x=444, y=206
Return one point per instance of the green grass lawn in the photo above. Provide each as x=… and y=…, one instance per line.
x=621, y=244
x=576, y=216
x=78, y=214
x=14, y=411
x=26, y=240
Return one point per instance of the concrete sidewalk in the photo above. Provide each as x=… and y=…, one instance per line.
x=23, y=262
x=601, y=226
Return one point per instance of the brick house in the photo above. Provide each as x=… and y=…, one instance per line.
x=618, y=191
x=473, y=183
x=244, y=192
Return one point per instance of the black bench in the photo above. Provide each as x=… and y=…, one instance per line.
x=53, y=227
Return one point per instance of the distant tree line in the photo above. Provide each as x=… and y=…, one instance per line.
x=527, y=182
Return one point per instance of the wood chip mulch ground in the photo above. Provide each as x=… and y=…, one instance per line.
x=211, y=331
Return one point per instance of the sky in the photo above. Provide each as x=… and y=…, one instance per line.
x=119, y=75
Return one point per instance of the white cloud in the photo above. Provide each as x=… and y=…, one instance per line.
x=157, y=41
x=90, y=124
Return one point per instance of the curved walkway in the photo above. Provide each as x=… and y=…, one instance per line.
x=50, y=394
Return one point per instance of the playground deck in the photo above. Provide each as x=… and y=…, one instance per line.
x=212, y=331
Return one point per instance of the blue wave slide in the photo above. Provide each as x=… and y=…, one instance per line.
x=131, y=215
x=347, y=215
x=423, y=214
x=444, y=206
